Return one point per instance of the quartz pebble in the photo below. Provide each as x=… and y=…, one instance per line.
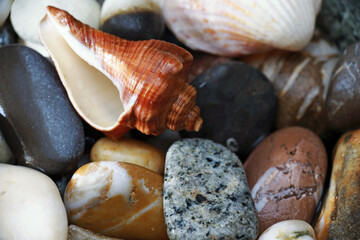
x=286, y=174
x=117, y=199
x=78, y=233
x=340, y=215
x=129, y=150
x=238, y=105
x=206, y=195
x=343, y=99
x=36, y=117
x=6, y=155
x=289, y=230
x=31, y=207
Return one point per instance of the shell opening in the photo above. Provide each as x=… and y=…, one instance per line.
x=92, y=94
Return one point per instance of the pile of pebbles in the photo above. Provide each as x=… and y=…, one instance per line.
x=277, y=156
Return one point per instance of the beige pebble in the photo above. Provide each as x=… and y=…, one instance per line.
x=117, y=199
x=289, y=230
x=129, y=150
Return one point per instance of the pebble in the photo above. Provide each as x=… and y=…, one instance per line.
x=78, y=233
x=36, y=117
x=289, y=230
x=132, y=20
x=129, y=150
x=31, y=207
x=117, y=199
x=340, y=215
x=6, y=156
x=238, y=105
x=286, y=174
x=7, y=34
x=5, y=6
x=342, y=103
x=206, y=195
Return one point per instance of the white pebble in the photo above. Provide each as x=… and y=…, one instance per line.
x=289, y=229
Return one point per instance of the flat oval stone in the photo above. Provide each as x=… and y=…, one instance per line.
x=286, y=174
x=238, y=105
x=343, y=99
x=117, y=199
x=206, y=195
x=31, y=207
x=36, y=117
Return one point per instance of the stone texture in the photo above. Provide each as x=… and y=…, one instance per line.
x=78, y=233
x=36, y=117
x=343, y=99
x=206, y=195
x=340, y=21
x=31, y=207
x=286, y=174
x=238, y=105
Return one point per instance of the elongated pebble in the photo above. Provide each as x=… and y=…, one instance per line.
x=206, y=195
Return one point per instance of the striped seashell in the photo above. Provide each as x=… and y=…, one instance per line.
x=235, y=27
x=148, y=87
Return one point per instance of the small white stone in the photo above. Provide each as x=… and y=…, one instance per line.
x=31, y=207
x=289, y=229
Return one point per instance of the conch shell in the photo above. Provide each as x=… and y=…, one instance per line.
x=235, y=27
x=148, y=88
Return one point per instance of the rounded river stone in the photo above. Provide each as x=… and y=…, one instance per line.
x=238, y=105
x=206, y=195
x=36, y=117
x=142, y=25
x=343, y=99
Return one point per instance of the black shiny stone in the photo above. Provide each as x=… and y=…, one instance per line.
x=36, y=117
x=135, y=25
x=238, y=105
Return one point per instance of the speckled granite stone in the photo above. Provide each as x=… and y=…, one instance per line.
x=206, y=195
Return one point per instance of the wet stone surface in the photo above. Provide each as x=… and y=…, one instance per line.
x=36, y=118
x=206, y=195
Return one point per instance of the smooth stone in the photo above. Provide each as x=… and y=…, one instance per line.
x=5, y=6
x=117, y=199
x=6, y=156
x=78, y=233
x=36, y=117
x=7, y=34
x=129, y=150
x=340, y=21
x=206, y=195
x=31, y=207
x=343, y=98
x=289, y=230
x=340, y=216
x=238, y=105
x=143, y=25
x=286, y=174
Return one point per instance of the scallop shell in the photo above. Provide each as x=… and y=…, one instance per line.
x=148, y=88
x=235, y=27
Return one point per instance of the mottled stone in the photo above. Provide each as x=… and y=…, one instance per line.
x=36, y=117
x=206, y=195
x=31, y=207
x=340, y=21
x=340, y=215
x=343, y=99
x=238, y=105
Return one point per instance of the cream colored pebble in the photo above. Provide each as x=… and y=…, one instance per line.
x=289, y=229
x=130, y=151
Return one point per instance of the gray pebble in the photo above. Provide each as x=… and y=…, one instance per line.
x=206, y=195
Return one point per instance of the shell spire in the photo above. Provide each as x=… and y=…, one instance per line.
x=151, y=77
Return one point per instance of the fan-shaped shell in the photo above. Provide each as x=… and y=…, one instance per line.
x=151, y=92
x=234, y=27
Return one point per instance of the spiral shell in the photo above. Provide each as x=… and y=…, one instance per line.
x=235, y=27
x=148, y=88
